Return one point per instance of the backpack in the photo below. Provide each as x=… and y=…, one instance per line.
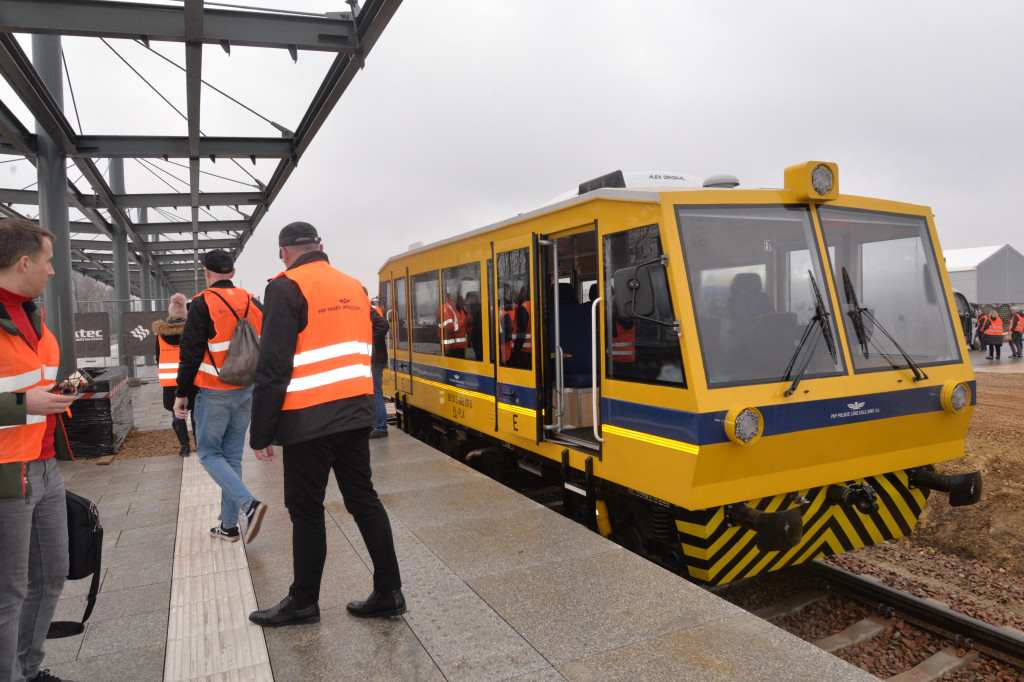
x=85, y=554
x=239, y=367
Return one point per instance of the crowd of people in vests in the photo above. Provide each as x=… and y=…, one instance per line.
x=991, y=329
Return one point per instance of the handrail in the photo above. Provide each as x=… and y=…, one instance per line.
x=593, y=366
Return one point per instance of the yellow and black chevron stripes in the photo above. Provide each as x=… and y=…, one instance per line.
x=718, y=552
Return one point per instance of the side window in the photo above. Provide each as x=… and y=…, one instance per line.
x=515, y=319
x=384, y=301
x=490, y=306
x=426, y=314
x=645, y=348
x=461, y=321
x=402, y=315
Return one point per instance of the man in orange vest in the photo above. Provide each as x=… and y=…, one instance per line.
x=522, y=344
x=453, y=329
x=168, y=340
x=1016, y=328
x=314, y=398
x=221, y=410
x=33, y=512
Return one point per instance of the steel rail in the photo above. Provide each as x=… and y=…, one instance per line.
x=968, y=632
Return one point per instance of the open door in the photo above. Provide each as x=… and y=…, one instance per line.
x=518, y=396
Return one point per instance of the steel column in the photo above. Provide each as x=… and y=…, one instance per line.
x=122, y=287
x=58, y=297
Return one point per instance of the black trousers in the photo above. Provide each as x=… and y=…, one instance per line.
x=306, y=469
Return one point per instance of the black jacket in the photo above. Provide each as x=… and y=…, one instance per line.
x=380, y=336
x=198, y=331
x=285, y=314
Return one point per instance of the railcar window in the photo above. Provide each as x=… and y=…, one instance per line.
x=426, y=313
x=384, y=301
x=401, y=313
x=891, y=264
x=490, y=306
x=462, y=324
x=750, y=271
x=515, y=317
x=640, y=349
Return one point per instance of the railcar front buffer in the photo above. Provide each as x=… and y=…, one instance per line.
x=775, y=531
x=963, y=489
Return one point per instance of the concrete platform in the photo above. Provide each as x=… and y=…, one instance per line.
x=498, y=587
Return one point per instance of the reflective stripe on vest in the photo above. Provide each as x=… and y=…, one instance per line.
x=224, y=326
x=167, y=369
x=21, y=369
x=332, y=354
x=624, y=344
x=526, y=336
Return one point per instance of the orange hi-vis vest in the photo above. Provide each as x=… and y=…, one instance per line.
x=453, y=327
x=167, y=369
x=224, y=322
x=624, y=344
x=526, y=336
x=22, y=368
x=995, y=326
x=1017, y=323
x=333, y=352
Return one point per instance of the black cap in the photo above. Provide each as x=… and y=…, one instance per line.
x=219, y=261
x=298, y=233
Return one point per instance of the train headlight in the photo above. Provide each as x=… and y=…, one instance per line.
x=744, y=425
x=955, y=396
x=813, y=181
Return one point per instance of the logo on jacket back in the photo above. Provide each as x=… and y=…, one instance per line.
x=343, y=304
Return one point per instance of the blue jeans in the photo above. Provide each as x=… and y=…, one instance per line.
x=33, y=566
x=222, y=418
x=377, y=371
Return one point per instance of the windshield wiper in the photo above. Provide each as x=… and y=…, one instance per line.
x=857, y=315
x=821, y=316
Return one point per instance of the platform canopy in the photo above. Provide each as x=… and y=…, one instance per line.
x=183, y=189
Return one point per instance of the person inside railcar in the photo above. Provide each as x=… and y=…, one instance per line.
x=522, y=345
x=474, y=325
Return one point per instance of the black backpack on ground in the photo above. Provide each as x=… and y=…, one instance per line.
x=85, y=554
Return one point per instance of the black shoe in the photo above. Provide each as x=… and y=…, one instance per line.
x=181, y=431
x=229, y=534
x=288, y=612
x=378, y=434
x=45, y=676
x=253, y=518
x=988, y=357
x=379, y=605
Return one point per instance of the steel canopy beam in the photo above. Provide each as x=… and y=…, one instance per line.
x=142, y=147
x=104, y=19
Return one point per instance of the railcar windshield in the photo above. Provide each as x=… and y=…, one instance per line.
x=887, y=262
x=752, y=273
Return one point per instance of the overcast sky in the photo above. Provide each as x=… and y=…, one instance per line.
x=471, y=111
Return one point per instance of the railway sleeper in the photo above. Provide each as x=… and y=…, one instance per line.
x=935, y=666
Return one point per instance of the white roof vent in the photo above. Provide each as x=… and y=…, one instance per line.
x=722, y=180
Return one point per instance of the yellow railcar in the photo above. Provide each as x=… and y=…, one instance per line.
x=725, y=380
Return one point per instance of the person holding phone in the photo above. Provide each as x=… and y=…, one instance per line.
x=33, y=513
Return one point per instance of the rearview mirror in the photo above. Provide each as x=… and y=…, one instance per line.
x=634, y=292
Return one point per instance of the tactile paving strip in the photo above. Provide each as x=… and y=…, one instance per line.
x=209, y=636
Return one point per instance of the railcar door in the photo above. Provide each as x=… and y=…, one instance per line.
x=518, y=396
x=401, y=357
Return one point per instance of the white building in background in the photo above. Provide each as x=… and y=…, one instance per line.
x=987, y=274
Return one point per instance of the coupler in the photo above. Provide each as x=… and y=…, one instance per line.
x=774, y=531
x=963, y=489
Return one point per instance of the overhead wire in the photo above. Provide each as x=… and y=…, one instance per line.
x=74, y=102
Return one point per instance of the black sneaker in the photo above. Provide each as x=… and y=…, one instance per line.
x=224, y=533
x=253, y=518
x=378, y=434
x=45, y=676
